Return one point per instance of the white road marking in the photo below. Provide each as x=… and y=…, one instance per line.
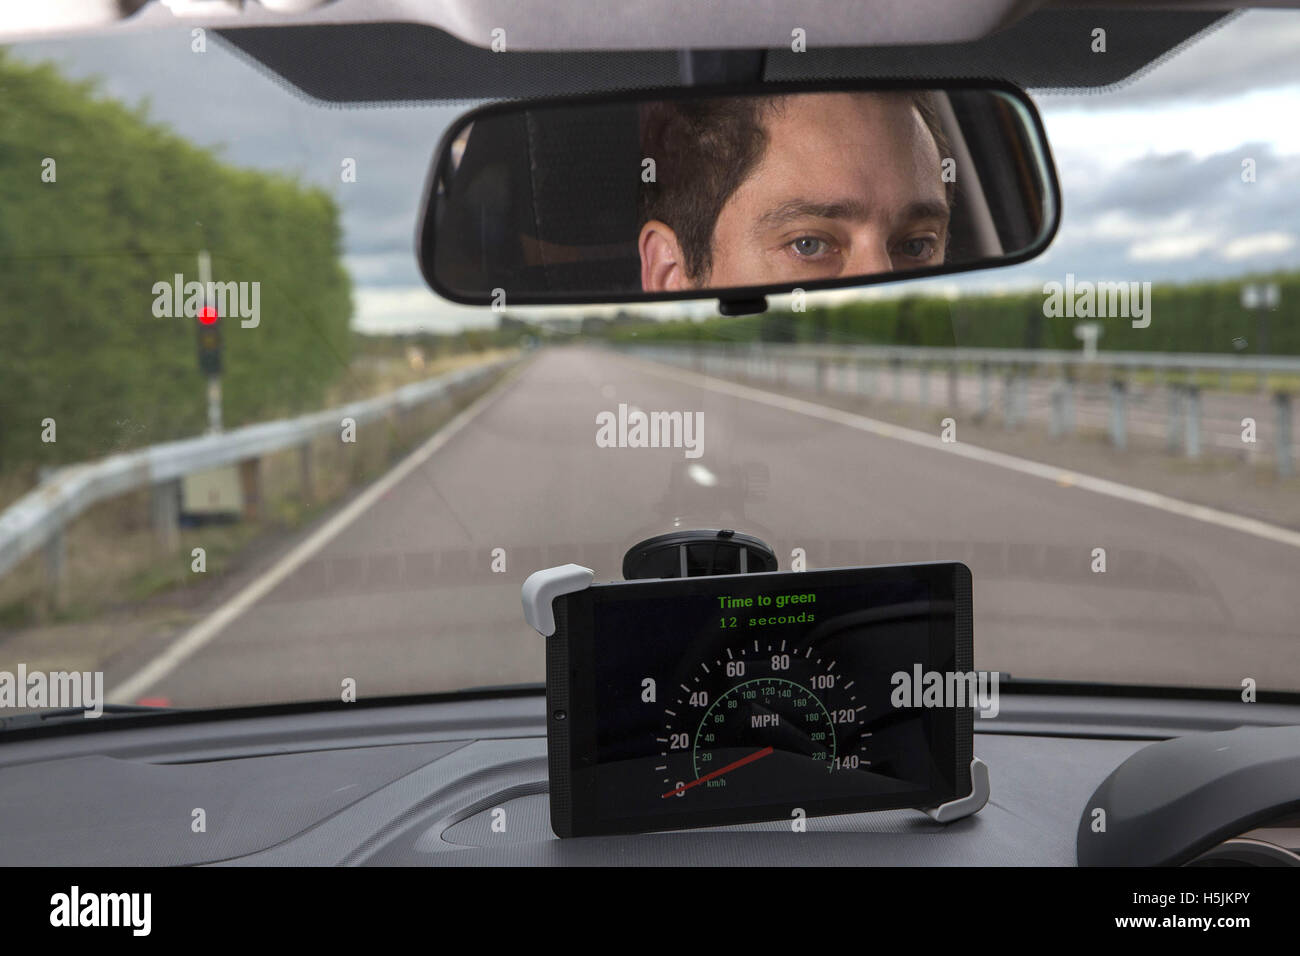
x=201, y=633
x=1061, y=476
x=701, y=475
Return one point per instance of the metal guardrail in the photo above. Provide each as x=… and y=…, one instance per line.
x=1040, y=358
x=38, y=518
x=823, y=367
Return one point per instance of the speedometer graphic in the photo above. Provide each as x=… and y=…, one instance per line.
x=759, y=713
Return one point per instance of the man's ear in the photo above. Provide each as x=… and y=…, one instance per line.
x=662, y=265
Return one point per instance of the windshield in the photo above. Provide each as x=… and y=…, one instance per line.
x=247, y=457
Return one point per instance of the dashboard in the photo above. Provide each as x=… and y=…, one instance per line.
x=462, y=781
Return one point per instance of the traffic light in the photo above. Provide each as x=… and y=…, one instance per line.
x=209, y=329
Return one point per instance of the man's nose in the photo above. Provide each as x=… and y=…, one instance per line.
x=870, y=256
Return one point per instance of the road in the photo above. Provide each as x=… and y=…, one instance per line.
x=397, y=590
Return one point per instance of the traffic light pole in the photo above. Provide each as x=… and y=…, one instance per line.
x=214, y=381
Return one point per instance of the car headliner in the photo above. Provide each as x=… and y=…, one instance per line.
x=406, y=62
x=387, y=51
x=588, y=25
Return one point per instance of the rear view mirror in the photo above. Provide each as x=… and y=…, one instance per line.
x=688, y=194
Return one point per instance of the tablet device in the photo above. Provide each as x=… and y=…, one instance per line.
x=706, y=701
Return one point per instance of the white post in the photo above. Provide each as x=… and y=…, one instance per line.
x=214, y=381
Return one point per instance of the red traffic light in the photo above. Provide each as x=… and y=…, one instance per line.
x=208, y=315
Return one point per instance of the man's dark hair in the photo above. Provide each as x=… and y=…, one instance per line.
x=704, y=149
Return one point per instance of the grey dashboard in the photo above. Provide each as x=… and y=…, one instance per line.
x=463, y=783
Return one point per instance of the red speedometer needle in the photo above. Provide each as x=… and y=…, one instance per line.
x=757, y=755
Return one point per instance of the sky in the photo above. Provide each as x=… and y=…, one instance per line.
x=1150, y=171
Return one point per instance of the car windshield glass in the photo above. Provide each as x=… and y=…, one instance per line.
x=248, y=457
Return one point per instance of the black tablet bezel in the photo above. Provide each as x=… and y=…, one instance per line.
x=572, y=706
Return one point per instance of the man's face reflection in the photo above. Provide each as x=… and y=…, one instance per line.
x=849, y=184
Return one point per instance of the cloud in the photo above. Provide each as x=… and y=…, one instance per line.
x=414, y=308
x=1166, y=248
x=1260, y=244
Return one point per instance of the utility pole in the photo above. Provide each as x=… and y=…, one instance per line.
x=209, y=332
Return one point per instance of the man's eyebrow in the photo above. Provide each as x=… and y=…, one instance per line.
x=853, y=209
x=794, y=209
x=928, y=209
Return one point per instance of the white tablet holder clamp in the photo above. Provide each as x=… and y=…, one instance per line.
x=971, y=803
x=543, y=587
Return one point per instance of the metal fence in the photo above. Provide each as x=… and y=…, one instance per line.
x=38, y=519
x=1003, y=377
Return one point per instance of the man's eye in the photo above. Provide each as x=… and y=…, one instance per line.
x=920, y=248
x=809, y=246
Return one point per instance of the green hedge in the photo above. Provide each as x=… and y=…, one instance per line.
x=1202, y=317
x=132, y=205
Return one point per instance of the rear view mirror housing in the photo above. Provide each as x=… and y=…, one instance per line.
x=735, y=193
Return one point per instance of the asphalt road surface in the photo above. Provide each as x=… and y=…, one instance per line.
x=397, y=589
